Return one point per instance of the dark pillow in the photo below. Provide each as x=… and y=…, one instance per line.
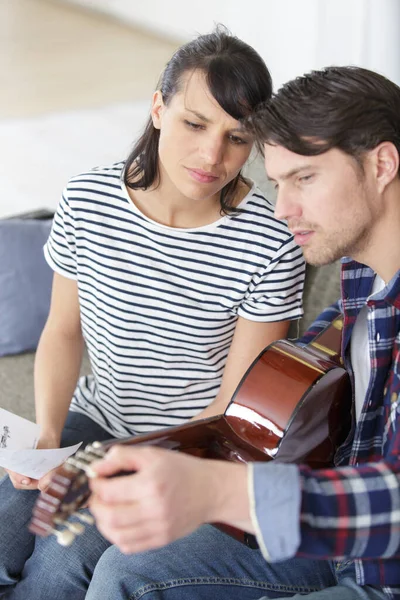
x=25, y=283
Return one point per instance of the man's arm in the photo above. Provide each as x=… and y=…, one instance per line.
x=348, y=511
x=352, y=511
x=169, y=496
x=323, y=320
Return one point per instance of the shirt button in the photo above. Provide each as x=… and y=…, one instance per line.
x=378, y=336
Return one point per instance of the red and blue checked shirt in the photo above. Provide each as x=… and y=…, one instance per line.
x=350, y=512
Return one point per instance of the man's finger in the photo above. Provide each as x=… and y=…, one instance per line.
x=122, y=458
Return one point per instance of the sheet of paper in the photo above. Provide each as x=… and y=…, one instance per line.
x=35, y=463
x=17, y=433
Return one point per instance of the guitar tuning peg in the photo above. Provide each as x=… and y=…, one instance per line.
x=75, y=528
x=85, y=518
x=96, y=445
x=69, y=467
x=64, y=537
x=81, y=454
x=95, y=450
x=75, y=462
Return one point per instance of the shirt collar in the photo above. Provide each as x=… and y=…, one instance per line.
x=352, y=270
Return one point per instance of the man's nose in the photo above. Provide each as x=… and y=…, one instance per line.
x=286, y=205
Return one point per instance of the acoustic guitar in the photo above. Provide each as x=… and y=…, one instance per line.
x=292, y=405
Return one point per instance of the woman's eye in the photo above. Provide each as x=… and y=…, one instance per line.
x=237, y=140
x=192, y=125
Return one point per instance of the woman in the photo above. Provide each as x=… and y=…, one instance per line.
x=173, y=271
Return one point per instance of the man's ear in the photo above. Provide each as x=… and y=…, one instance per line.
x=157, y=108
x=386, y=157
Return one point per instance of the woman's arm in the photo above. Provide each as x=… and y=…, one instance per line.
x=57, y=364
x=58, y=359
x=250, y=338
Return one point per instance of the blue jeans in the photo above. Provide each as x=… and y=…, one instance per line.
x=39, y=568
x=205, y=565
x=210, y=565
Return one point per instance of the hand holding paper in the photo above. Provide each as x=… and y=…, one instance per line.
x=18, y=441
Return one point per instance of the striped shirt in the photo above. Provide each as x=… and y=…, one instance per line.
x=159, y=304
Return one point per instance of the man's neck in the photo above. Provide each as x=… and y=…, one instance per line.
x=382, y=253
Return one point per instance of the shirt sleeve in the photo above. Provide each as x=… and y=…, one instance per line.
x=274, y=491
x=60, y=248
x=321, y=322
x=275, y=294
x=351, y=512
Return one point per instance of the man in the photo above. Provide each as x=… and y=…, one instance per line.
x=332, y=144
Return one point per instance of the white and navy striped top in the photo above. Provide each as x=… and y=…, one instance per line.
x=159, y=304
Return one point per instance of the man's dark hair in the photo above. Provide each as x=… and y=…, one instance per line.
x=349, y=108
x=237, y=78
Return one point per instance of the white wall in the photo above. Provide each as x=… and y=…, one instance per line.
x=293, y=36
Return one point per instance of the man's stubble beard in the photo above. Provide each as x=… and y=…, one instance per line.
x=348, y=243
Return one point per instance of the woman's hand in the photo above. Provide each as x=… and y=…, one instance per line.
x=22, y=482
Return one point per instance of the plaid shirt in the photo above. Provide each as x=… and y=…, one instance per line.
x=353, y=511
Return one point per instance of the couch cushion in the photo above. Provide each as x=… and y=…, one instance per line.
x=25, y=283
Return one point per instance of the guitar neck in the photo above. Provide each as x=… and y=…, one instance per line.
x=213, y=437
x=195, y=434
x=328, y=343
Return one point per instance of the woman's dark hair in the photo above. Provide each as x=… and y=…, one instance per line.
x=349, y=108
x=237, y=78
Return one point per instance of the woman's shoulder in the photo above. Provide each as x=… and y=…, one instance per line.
x=101, y=174
x=99, y=188
x=257, y=209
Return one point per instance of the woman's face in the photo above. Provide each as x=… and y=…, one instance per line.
x=201, y=147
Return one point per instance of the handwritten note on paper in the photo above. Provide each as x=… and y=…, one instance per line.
x=17, y=433
x=35, y=463
x=18, y=441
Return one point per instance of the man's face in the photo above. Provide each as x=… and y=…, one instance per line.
x=201, y=147
x=327, y=200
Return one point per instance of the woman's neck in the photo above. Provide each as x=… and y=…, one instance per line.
x=167, y=206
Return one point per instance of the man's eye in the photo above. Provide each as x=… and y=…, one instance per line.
x=306, y=178
x=192, y=125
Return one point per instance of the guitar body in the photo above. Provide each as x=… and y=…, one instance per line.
x=292, y=405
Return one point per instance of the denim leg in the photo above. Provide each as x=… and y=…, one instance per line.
x=206, y=564
x=54, y=572
x=17, y=544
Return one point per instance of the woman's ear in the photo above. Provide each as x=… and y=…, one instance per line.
x=386, y=164
x=157, y=108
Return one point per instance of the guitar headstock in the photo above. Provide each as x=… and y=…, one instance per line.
x=67, y=492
